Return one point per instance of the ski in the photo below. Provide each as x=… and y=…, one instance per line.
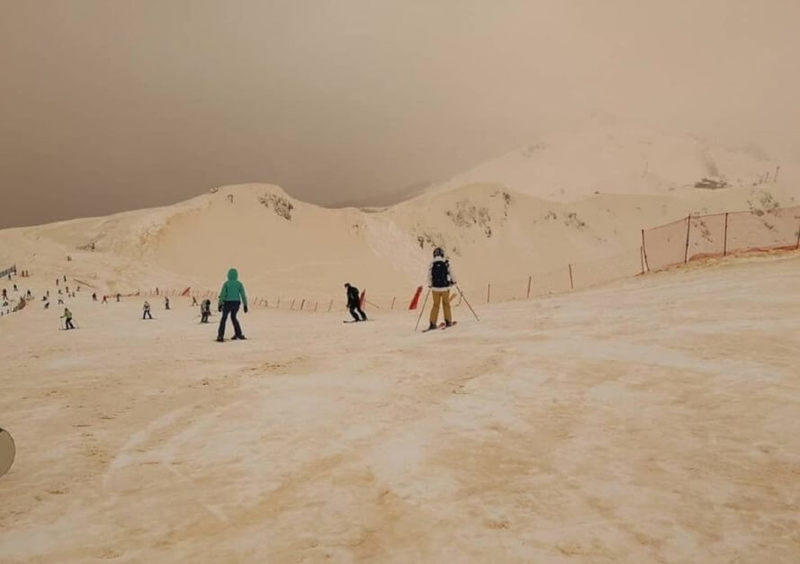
x=440, y=326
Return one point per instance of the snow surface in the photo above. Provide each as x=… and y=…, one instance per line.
x=650, y=420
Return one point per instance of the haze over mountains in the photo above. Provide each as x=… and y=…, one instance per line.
x=577, y=197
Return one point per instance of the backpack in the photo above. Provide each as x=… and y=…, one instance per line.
x=440, y=274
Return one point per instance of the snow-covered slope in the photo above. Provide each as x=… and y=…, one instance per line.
x=583, y=196
x=605, y=155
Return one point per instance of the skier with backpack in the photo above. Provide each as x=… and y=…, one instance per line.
x=354, y=303
x=231, y=297
x=146, y=311
x=440, y=280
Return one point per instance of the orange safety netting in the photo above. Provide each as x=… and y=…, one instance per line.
x=721, y=234
x=665, y=245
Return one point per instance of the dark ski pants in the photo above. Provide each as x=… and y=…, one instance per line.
x=147, y=314
x=68, y=324
x=355, y=311
x=230, y=308
x=204, y=317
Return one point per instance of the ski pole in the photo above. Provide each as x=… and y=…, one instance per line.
x=463, y=297
x=422, y=310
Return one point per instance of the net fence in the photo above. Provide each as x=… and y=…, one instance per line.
x=703, y=236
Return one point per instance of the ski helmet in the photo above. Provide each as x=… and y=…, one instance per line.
x=438, y=252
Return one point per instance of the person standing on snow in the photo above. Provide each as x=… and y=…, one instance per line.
x=67, y=317
x=354, y=303
x=205, y=311
x=166, y=302
x=146, y=313
x=440, y=279
x=231, y=296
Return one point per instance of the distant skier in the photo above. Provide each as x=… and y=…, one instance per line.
x=194, y=301
x=118, y=297
x=67, y=317
x=94, y=296
x=231, y=296
x=440, y=279
x=205, y=311
x=166, y=302
x=146, y=311
x=105, y=299
x=354, y=303
x=5, y=294
x=47, y=305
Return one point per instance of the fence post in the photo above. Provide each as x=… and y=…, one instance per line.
x=641, y=258
x=330, y=306
x=644, y=255
x=393, y=300
x=530, y=281
x=725, y=244
x=291, y=307
x=688, y=229
x=302, y=304
x=279, y=304
x=316, y=306
x=571, y=283
x=488, y=293
x=798, y=237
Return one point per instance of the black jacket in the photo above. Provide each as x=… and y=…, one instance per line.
x=353, y=297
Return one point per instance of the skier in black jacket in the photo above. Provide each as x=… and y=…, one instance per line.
x=354, y=303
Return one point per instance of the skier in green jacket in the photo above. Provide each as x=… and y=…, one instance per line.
x=231, y=296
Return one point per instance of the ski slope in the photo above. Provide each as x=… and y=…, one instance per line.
x=651, y=420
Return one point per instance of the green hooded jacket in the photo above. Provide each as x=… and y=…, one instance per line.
x=232, y=289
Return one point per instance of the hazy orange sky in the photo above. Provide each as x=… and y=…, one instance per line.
x=110, y=105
